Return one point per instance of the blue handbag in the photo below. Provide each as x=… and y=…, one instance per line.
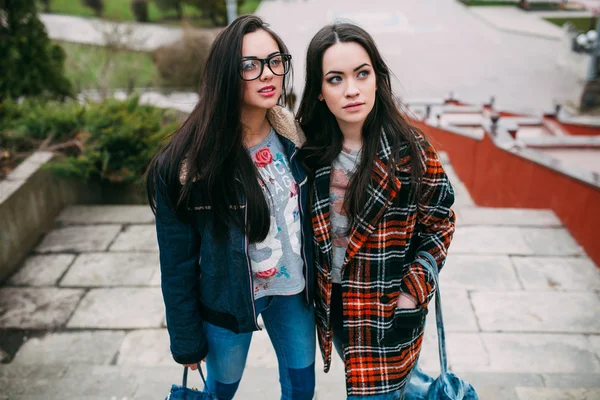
x=447, y=386
x=184, y=393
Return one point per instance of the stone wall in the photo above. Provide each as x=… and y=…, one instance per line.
x=502, y=175
x=32, y=196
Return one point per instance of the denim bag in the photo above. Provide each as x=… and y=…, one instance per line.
x=447, y=386
x=184, y=393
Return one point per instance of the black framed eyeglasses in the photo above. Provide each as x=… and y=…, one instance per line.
x=251, y=68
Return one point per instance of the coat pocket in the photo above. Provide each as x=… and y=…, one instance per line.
x=409, y=318
x=407, y=325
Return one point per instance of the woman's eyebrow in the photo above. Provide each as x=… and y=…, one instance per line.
x=355, y=69
x=254, y=57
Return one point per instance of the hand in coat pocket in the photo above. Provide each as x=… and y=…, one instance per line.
x=406, y=301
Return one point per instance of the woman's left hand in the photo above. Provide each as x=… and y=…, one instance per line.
x=405, y=300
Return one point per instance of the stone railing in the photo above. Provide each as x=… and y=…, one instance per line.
x=31, y=197
x=501, y=171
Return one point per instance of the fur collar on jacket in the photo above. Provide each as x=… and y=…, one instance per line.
x=281, y=120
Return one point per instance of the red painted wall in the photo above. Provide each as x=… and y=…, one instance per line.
x=581, y=130
x=497, y=178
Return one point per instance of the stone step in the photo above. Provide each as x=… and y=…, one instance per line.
x=106, y=214
x=493, y=216
x=80, y=382
x=514, y=240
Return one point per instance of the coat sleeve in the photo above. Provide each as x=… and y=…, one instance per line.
x=435, y=228
x=179, y=246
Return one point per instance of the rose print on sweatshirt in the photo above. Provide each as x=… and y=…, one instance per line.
x=263, y=157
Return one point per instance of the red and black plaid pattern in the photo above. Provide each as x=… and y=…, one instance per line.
x=382, y=342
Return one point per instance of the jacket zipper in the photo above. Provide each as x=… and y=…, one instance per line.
x=306, y=266
x=249, y=265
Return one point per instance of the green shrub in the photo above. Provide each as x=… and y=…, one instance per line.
x=214, y=10
x=168, y=5
x=31, y=65
x=140, y=10
x=181, y=64
x=46, y=5
x=26, y=126
x=120, y=140
x=112, y=141
x=96, y=5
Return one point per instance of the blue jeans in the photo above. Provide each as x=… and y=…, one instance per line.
x=290, y=324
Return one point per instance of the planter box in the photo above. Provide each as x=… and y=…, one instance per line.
x=31, y=198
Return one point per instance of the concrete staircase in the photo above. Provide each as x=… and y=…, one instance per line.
x=83, y=318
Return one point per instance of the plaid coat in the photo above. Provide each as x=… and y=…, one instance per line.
x=382, y=343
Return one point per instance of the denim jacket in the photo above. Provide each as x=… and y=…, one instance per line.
x=205, y=279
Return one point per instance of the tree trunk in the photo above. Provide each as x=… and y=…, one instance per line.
x=179, y=10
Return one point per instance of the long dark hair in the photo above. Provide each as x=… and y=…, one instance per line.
x=324, y=137
x=211, y=143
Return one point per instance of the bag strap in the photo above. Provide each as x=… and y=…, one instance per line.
x=431, y=265
x=185, y=375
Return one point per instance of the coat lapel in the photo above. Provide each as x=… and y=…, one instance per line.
x=380, y=195
x=320, y=209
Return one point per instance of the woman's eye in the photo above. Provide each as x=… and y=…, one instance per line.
x=335, y=79
x=363, y=74
x=275, y=62
x=249, y=65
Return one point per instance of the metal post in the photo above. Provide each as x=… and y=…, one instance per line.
x=593, y=66
x=231, y=10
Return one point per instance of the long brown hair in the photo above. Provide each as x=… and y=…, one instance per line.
x=210, y=141
x=324, y=137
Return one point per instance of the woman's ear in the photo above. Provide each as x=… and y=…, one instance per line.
x=320, y=97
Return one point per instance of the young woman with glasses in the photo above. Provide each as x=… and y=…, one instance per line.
x=230, y=199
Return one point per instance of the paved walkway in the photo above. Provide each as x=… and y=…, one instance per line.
x=518, y=21
x=135, y=36
x=83, y=318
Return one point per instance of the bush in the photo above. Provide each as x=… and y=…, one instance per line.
x=112, y=141
x=36, y=120
x=31, y=65
x=121, y=139
x=46, y=4
x=96, y=5
x=35, y=124
x=140, y=10
x=181, y=64
x=167, y=5
x=215, y=10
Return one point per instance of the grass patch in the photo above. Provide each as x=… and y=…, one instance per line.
x=93, y=67
x=581, y=24
x=120, y=10
x=540, y=6
x=249, y=7
x=476, y=3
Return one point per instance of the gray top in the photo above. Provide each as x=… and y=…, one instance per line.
x=277, y=266
x=342, y=169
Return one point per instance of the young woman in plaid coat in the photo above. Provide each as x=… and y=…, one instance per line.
x=379, y=198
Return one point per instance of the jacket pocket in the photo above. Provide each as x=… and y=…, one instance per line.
x=407, y=325
x=409, y=318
